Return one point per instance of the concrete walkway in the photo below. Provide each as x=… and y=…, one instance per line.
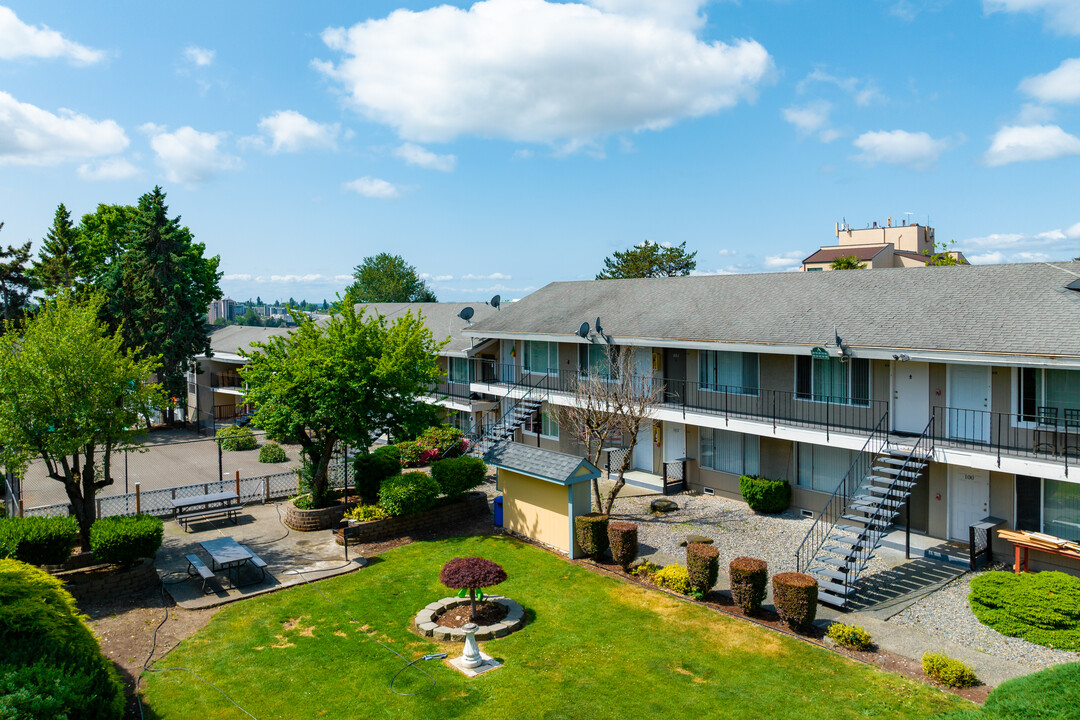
x=291, y=557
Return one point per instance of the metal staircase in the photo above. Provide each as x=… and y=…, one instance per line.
x=494, y=426
x=860, y=512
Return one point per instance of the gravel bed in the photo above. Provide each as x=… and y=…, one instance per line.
x=946, y=614
x=735, y=529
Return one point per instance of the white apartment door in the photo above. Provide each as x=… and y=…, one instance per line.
x=911, y=396
x=674, y=441
x=968, y=412
x=643, y=450
x=969, y=499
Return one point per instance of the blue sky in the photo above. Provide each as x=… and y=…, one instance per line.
x=502, y=145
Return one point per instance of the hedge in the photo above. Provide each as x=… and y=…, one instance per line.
x=765, y=496
x=702, y=566
x=673, y=577
x=367, y=513
x=234, y=437
x=948, y=671
x=850, y=636
x=408, y=493
x=38, y=540
x=271, y=452
x=1042, y=607
x=47, y=650
x=795, y=597
x=591, y=534
x=372, y=469
x=125, y=539
x=457, y=476
x=622, y=538
x=749, y=578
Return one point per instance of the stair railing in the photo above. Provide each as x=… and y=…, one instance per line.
x=481, y=432
x=830, y=516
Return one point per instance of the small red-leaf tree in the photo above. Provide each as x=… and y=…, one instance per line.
x=471, y=573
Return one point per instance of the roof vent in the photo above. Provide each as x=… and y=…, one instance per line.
x=1074, y=285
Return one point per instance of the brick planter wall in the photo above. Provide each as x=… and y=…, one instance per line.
x=106, y=582
x=473, y=505
x=311, y=520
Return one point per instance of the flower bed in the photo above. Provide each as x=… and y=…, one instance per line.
x=444, y=513
x=426, y=621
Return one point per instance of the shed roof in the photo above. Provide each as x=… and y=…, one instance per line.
x=549, y=465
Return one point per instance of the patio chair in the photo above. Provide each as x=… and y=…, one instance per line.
x=1072, y=430
x=1046, y=424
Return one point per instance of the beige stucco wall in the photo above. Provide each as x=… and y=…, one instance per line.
x=777, y=372
x=536, y=509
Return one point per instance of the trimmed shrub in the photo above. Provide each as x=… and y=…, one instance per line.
x=764, y=495
x=47, y=651
x=749, y=578
x=125, y=539
x=673, y=577
x=435, y=443
x=1042, y=607
x=457, y=476
x=622, y=538
x=591, y=533
x=234, y=437
x=795, y=598
x=367, y=513
x=948, y=671
x=471, y=573
x=408, y=453
x=408, y=493
x=702, y=566
x=371, y=470
x=271, y=452
x=645, y=570
x=850, y=636
x=38, y=540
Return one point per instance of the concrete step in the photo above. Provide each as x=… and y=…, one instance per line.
x=894, y=471
x=827, y=598
x=826, y=572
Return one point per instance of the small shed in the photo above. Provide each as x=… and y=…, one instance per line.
x=543, y=491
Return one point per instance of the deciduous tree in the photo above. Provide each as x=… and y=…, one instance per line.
x=16, y=284
x=386, y=278
x=649, y=260
x=344, y=380
x=71, y=395
x=848, y=262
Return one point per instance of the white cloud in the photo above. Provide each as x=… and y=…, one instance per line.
x=1026, y=143
x=32, y=136
x=1058, y=243
x=726, y=252
x=189, y=156
x=990, y=258
x=108, y=169
x=236, y=276
x=198, y=55
x=675, y=13
x=17, y=39
x=1062, y=16
x=1034, y=114
x=1060, y=85
x=812, y=118
x=863, y=92
x=371, y=187
x=899, y=147
x=289, y=131
x=785, y=261
x=535, y=71
x=421, y=157
x=492, y=276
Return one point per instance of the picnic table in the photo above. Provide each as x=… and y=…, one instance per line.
x=223, y=503
x=226, y=555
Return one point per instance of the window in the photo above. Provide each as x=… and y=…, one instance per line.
x=458, y=419
x=1036, y=387
x=841, y=383
x=593, y=360
x=822, y=467
x=541, y=357
x=543, y=421
x=1049, y=506
x=730, y=372
x=728, y=452
x=459, y=370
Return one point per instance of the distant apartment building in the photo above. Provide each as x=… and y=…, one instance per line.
x=890, y=246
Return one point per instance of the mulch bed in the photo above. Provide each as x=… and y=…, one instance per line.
x=487, y=613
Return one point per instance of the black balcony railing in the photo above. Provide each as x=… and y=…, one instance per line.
x=1007, y=434
x=229, y=379
x=453, y=389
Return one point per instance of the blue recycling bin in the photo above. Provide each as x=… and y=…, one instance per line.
x=498, y=511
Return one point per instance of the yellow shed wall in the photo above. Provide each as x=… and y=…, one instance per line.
x=536, y=509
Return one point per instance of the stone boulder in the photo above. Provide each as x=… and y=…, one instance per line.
x=691, y=539
x=663, y=505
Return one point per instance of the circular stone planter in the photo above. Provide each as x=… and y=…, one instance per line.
x=427, y=623
x=310, y=520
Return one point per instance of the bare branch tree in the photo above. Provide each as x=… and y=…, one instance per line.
x=635, y=400
x=590, y=417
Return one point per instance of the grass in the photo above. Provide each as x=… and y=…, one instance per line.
x=594, y=647
x=1051, y=694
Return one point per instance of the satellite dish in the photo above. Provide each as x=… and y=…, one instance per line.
x=466, y=314
x=494, y=302
x=599, y=330
x=583, y=331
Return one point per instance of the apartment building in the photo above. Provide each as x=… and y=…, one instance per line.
x=888, y=246
x=971, y=372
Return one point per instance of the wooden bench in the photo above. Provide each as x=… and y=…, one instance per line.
x=196, y=566
x=230, y=512
x=257, y=562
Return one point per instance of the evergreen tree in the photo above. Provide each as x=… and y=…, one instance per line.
x=386, y=278
x=60, y=263
x=105, y=235
x=16, y=284
x=162, y=287
x=649, y=260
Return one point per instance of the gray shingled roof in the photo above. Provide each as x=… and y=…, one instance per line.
x=1016, y=309
x=231, y=338
x=537, y=462
x=440, y=318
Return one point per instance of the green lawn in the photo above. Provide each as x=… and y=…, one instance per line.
x=595, y=647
